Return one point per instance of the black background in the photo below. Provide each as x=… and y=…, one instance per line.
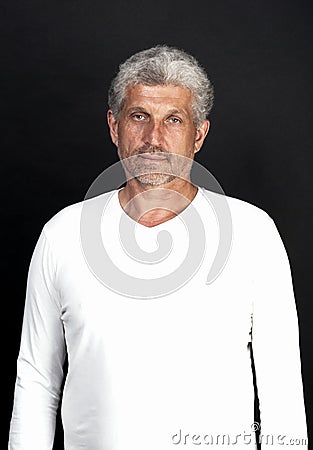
x=57, y=61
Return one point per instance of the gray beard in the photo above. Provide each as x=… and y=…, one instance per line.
x=151, y=173
x=156, y=173
x=155, y=179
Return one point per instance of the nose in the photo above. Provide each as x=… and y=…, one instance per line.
x=153, y=133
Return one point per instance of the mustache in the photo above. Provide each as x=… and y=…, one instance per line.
x=147, y=148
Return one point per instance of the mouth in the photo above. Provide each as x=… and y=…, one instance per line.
x=153, y=156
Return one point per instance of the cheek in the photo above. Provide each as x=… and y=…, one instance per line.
x=130, y=133
x=184, y=142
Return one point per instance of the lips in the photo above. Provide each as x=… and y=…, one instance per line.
x=153, y=156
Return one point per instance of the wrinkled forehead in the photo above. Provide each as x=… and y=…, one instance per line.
x=170, y=95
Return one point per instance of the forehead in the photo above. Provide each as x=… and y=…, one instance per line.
x=168, y=95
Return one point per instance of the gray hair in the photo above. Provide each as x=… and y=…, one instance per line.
x=163, y=65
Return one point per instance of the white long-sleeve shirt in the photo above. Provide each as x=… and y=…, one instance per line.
x=167, y=372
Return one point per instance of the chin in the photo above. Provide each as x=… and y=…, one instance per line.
x=154, y=179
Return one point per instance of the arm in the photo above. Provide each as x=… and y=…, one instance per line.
x=275, y=342
x=41, y=357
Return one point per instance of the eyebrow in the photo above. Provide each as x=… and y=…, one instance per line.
x=172, y=112
x=136, y=109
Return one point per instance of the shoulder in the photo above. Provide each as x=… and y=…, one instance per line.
x=66, y=223
x=241, y=211
x=251, y=227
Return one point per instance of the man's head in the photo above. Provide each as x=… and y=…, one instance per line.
x=159, y=102
x=162, y=66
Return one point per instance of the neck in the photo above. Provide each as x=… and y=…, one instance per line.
x=153, y=205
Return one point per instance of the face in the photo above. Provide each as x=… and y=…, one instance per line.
x=156, y=129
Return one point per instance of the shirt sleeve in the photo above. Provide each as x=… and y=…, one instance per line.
x=275, y=342
x=41, y=357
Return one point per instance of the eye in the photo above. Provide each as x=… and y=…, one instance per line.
x=138, y=117
x=174, y=120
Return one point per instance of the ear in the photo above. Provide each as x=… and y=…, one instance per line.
x=201, y=133
x=113, y=125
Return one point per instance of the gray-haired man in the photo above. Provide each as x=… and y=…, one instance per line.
x=172, y=369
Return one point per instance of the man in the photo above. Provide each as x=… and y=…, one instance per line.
x=172, y=369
